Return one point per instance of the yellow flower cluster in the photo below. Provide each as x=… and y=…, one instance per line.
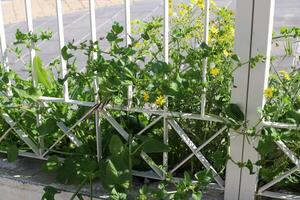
x=269, y=92
x=285, y=75
x=214, y=30
x=138, y=44
x=226, y=53
x=214, y=71
x=184, y=9
x=170, y=7
x=199, y=3
x=146, y=96
x=160, y=101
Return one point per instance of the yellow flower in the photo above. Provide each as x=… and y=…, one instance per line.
x=214, y=30
x=226, y=53
x=269, y=92
x=285, y=75
x=199, y=3
x=181, y=12
x=138, y=45
x=170, y=7
x=160, y=101
x=214, y=71
x=146, y=96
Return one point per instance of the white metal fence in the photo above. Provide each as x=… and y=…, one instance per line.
x=253, y=17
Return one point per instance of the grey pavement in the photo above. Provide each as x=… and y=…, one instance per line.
x=77, y=25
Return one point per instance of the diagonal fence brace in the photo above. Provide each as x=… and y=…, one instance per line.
x=199, y=148
x=22, y=135
x=291, y=155
x=125, y=135
x=69, y=134
x=288, y=153
x=84, y=117
x=11, y=128
x=198, y=154
x=277, y=179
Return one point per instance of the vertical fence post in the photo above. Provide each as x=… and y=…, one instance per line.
x=96, y=82
x=166, y=59
x=204, y=72
x=254, y=25
x=64, y=70
x=128, y=42
x=30, y=29
x=28, y=10
x=4, y=49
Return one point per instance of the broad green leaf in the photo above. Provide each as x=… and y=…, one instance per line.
x=265, y=145
x=31, y=93
x=52, y=164
x=111, y=175
x=249, y=165
x=115, y=195
x=44, y=76
x=50, y=193
x=65, y=54
x=151, y=145
x=235, y=57
x=116, y=145
x=12, y=153
x=174, y=86
x=204, y=177
x=197, y=196
x=233, y=111
x=48, y=127
x=111, y=37
x=117, y=28
x=187, y=178
x=295, y=116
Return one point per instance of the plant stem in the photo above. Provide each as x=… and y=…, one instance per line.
x=91, y=189
x=130, y=161
x=78, y=189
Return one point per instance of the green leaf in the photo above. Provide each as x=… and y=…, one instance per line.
x=249, y=165
x=174, y=86
x=65, y=54
x=111, y=175
x=44, y=76
x=52, y=164
x=233, y=111
x=117, y=28
x=116, y=145
x=197, y=195
x=145, y=36
x=295, y=116
x=151, y=145
x=265, y=145
x=115, y=195
x=48, y=127
x=50, y=193
x=204, y=177
x=235, y=57
x=12, y=153
x=187, y=178
x=111, y=37
x=31, y=93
